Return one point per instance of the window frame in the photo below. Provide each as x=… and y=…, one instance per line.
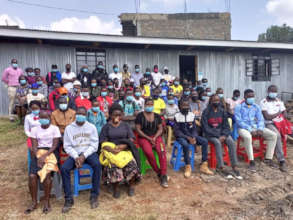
x=89, y=57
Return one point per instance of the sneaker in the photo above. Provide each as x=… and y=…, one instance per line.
x=94, y=202
x=283, y=166
x=187, y=172
x=252, y=167
x=224, y=173
x=270, y=163
x=67, y=205
x=164, y=181
x=236, y=174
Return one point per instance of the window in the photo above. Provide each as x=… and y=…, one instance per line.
x=89, y=57
x=261, y=68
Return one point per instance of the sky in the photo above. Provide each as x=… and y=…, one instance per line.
x=249, y=17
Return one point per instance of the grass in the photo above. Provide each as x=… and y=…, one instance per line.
x=11, y=134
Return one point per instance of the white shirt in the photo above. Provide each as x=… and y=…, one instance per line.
x=30, y=123
x=272, y=107
x=112, y=76
x=70, y=75
x=39, y=97
x=140, y=103
x=45, y=136
x=168, y=77
x=157, y=78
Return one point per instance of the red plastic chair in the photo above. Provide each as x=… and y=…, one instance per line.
x=63, y=155
x=212, y=156
x=257, y=151
x=284, y=141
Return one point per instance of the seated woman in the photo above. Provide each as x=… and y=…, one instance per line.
x=149, y=127
x=96, y=117
x=216, y=129
x=32, y=120
x=21, y=102
x=43, y=161
x=119, y=133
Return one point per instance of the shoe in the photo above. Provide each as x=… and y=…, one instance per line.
x=130, y=191
x=283, y=166
x=116, y=194
x=94, y=202
x=205, y=169
x=270, y=163
x=187, y=172
x=67, y=205
x=164, y=181
x=252, y=167
x=224, y=173
x=236, y=174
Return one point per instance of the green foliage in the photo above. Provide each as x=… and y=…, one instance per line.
x=276, y=33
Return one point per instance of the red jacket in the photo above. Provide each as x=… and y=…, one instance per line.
x=102, y=102
x=283, y=125
x=79, y=102
x=53, y=97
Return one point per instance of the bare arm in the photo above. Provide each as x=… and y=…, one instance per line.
x=140, y=132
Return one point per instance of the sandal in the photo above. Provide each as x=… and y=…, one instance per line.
x=30, y=209
x=46, y=210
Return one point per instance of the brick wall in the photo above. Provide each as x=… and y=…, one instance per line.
x=215, y=26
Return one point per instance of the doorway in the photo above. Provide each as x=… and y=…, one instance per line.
x=188, y=68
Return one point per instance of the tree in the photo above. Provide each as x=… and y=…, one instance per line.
x=276, y=33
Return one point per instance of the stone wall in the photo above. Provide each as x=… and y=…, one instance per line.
x=216, y=26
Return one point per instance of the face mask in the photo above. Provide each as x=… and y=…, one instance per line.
x=204, y=85
x=101, y=67
x=95, y=109
x=44, y=121
x=137, y=70
x=235, y=98
x=85, y=70
x=116, y=69
x=204, y=98
x=147, y=73
x=194, y=98
x=103, y=94
x=54, y=70
x=156, y=70
x=250, y=101
x=176, y=83
x=31, y=73
x=36, y=112
x=14, y=65
x=75, y=89
x=85, y=94
x=171, y=93
x=80, y=118
x=216, y=104
x=171, y=101
x=273, y=95
x=68, y=69
x=129, y=98
x=149, y=108
x=209, y=94
x=138, y=94
x=163, y=84
x=155, y=96
x=22, y=81
x=221, y=96
x=94, y=84
x=35, y=91
x=39, y=83
x=187, y=93
x=63, y=106
x=185, y=111
x=110, y=87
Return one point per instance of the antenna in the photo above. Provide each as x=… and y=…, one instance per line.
x=137, y=5
x=228, y=5
x=185, y=6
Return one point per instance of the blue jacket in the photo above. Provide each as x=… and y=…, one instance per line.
x=249, y=117
x=98, y=120
x=185, y=125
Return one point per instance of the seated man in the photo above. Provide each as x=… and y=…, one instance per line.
x=272, y=108
x=186, y=133
x=250, y=124
x=81, y=142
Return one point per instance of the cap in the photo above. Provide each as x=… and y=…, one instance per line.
x=35, y=86
x=63, y=90
x=166, y=68
x=76, y=83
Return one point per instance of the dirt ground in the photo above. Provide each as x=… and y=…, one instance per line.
x=267, y=194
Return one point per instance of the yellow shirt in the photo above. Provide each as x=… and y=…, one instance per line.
x=125, y=75
x=147, y=91
x=159, y=104
x=177, y=90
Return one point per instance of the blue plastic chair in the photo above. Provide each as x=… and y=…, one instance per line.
x=177, y=159
x=78, y=176
x=28, y=160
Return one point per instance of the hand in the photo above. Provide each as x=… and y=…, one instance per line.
x=152, y=141
x=116, y=150
x=254, y=133
x=259, y=133
x=193, y=141
x=41, y=161
x=222, y=139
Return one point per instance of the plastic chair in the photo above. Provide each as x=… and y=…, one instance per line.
x=212, y=156
x=63, y=156
x=258, y=152
x=284, y=141
x=144, y=166
x=78, y=176
x=177, y=159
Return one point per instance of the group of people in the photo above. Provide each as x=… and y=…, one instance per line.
x=102, y=119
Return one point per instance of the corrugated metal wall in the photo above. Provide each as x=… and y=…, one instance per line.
x=42, y=56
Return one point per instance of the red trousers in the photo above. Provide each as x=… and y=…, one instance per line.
x=160, y=149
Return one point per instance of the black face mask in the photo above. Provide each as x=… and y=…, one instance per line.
x=216, y=104
x=155, y=96
x=68, y=69
x=194, y=98
x=185, y=111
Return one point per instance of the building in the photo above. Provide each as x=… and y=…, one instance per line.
x=227, y=64
x=213, y=26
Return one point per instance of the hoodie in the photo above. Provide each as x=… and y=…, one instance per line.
x=81, y=139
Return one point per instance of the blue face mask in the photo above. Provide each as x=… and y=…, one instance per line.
x=204, y=98
x=94, y=84
x=22, y=81
x=44, y=121
x=250, y=101
x=96, y=109
x=137, y=70
x=104, y=94
x=187, y=93
x=85, y=94
x=101, y=67
x=171, y=101
x=85, y=70
x=31, y=73
x=138, y=94
x=209, y=94
x=54, y=70
x=110, y=87
x=129, y=98
x=147, y=73
x=80, y=118
x=163, y=84
x=204, y=85
x=14, y=65
x=221, y=95
x=35, y=91
x=40, y=83
x=176, y=83
x=149, y=108
x=63, y=106
x=273, y=95
x=116, y=69
x=36, y=112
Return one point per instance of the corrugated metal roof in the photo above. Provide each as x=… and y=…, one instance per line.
x=87, y=37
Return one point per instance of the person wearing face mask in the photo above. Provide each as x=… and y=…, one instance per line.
x=136, y=76
x=145, y=88
x=125, y=74
x=164, y=90
x=204, y=83
x=274, y=112
x=203, y=100
x=195, y=104
x=96, y=117
x=37, y=72
x=113, y=93
x=138, y=99
x=10, y=78
x=68, y=77
x=100, y=73
x=43, y=88
x=209, y=92
x=84, y=76
x=220, y=93
x=177, y=88
x=121, y=96
x=44, y=140
x=186, y=93
x=234, y=101
x=54, y=95
x=34, y=94
x=171, y=92
x=148, y=76
x=216, y=129
x=52, y=77
x=81, y=143
x=105, y=101
x=159, y=104
x=95, y=90
x=250, y=123
x=30, y=75
x=166, y=75
x=126, y=85
x=150, y=129
x=75, y=91
x=22, y=91
x=185, y=132
x=157, y=76
x=84, y=99
x=117, y=75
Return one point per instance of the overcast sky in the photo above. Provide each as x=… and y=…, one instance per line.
x=249, y=17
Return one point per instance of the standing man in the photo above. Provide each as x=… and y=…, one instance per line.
x=10, y=78
x=68, y=77
x=136, y=76
x=157, y=76
x=100, y=73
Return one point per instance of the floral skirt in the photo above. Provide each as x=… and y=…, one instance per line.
x=115, y=174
